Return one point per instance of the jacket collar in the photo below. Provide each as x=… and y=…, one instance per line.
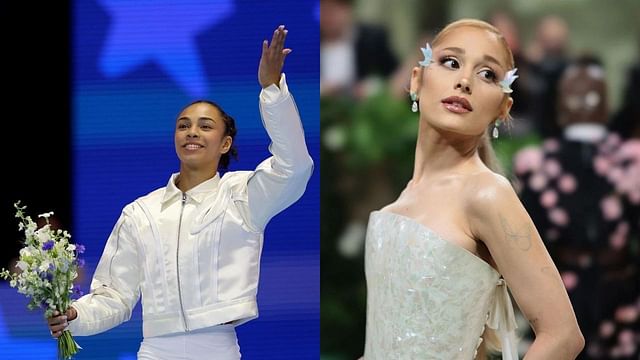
x=198, y=193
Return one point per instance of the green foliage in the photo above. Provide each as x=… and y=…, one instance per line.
x=506, y=147
x=379, y=130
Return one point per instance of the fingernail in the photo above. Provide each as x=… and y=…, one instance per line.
x=64, y=317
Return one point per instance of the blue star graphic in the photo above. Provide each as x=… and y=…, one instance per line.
x=160, y=31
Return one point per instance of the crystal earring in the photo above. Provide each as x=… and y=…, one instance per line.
x=414, y=98
x=496, y=133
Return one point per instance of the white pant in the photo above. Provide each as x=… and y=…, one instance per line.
x=215, y=343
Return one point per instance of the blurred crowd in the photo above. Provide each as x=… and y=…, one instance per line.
x=579, y=178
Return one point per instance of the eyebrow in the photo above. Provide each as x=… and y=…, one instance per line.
x=200, y=118
x=487, y=58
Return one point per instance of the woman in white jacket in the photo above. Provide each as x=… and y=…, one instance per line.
x=192, y=248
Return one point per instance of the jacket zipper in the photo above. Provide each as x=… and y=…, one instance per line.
x=184, y=318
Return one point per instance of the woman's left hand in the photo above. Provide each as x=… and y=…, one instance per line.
x=272, y=59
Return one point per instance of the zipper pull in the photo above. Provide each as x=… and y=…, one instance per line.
x=184, y=198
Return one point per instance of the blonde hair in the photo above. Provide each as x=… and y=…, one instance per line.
x=485, y=149
x=491, y=340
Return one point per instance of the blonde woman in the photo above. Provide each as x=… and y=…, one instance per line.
x=439, y=258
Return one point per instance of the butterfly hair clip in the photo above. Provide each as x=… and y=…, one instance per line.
x=509, y=78
x=428, y=54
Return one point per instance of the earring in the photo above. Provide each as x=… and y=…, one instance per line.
x=414, y=98
x=496, y=133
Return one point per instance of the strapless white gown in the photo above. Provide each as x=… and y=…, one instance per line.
x=428, y=298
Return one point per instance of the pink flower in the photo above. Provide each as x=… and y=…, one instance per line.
x=552, y=168
x=626, y=314
x=625, y=336
x=527, y=159
x=538, y=181
x=617, y=241
x=630, y=150
x=611, y=207
x=559, y=217
x=622, y=228
x=625, y=184
x=549, y=198
x=570, y=280
x=607, y=329
x=601, y=165
x=628, y=348
x=615, y=175
x=634, y=197
x=567, y=183
x=551, y=145
x=633, y=170
x=629, y=183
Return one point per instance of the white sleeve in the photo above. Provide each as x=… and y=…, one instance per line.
x=115, y=288
x=280, y=180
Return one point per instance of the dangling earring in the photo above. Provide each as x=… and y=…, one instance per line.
x=414, y=105
x=496, y=133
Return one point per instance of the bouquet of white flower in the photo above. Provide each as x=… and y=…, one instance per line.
x=48, y=264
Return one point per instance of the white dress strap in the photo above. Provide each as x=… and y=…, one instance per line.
x=502, y=319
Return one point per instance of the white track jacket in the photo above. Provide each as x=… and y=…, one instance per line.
x=195, y=256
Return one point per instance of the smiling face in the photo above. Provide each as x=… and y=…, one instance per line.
x=459, y=91
x=200, y=137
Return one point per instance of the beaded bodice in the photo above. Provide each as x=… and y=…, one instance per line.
x=427, y=298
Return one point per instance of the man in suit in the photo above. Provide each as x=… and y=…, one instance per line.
x=350, y=51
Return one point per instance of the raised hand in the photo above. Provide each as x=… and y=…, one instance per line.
x=272, y=59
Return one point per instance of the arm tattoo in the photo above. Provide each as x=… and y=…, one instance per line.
x=521, y=238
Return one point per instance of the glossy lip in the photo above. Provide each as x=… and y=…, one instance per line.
x=460, y=100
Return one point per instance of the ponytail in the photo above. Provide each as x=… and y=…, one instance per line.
x=488, y=155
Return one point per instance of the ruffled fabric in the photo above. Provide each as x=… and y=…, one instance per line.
x=503, y=321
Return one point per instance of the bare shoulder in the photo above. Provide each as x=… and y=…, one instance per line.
x=488, y=189
x=495, y=214
x=403, y=200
